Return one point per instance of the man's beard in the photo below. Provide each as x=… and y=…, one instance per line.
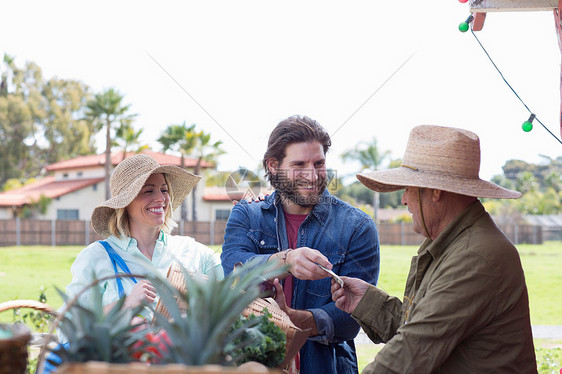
x=289, y=191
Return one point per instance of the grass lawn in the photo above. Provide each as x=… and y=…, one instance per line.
x=23, y=270
x=549, y=355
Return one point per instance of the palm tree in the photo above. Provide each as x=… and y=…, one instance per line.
x=179, y=138
x=106, y=110
x=130, y=138
x=370, y=157
x=189, y=142
x=204, y=150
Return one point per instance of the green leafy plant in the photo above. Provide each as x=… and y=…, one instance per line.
x=39, y=321
x=94, y=335
x=200, y=326
x=267, y=341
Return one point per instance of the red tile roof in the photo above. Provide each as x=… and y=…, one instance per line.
x=47, y=186
x=215, y=194
x=84, y=162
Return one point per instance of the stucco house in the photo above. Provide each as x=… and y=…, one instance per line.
x=76, y=186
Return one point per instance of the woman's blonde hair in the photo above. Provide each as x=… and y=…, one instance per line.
x=118, y=223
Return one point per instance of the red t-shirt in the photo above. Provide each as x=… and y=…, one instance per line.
x=292, y=223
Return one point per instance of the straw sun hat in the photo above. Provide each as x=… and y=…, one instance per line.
x=443, y=158
x=127, y=180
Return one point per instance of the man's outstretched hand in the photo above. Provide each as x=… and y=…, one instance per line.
x=348, y=297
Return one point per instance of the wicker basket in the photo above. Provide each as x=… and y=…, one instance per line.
x=13, y=351
x=279, y=317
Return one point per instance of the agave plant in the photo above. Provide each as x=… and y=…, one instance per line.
x=93, y=335
x=202, y=333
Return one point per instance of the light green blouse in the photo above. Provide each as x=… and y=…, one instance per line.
x=94, y=261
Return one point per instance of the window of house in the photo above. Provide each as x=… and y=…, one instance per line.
x=79, y=174
x=67, y=214
x=95, y=187
x=222, y=214
x=65, y=175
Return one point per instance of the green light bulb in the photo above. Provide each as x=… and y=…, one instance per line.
x=463, y=27
x=527, y=126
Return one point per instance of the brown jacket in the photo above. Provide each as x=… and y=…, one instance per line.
x=465, y=308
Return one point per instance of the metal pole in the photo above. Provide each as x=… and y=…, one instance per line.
x=53, y=232
x=18, y=235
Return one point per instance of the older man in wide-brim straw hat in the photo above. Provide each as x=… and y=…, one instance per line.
x=465, y=307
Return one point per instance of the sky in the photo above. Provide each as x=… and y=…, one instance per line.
x=363, y=69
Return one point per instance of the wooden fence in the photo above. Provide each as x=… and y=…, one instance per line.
x=62, y=232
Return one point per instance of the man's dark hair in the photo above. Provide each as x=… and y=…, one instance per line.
x=295, y=129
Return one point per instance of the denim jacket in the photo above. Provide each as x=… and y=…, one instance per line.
x=344, y=234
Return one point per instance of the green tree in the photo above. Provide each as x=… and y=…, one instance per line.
x=67, y=132
x=16, y=129
x=392, y=199
x=553, y=180
x=204, y=150
x=512, y=169
x=526, y=182
x=106, y=111
x=190, y=142
x=370, y=157
x=40, y=120
x=178, y=138
x=130, y=139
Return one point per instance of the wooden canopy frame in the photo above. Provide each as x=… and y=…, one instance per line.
x=479, y=9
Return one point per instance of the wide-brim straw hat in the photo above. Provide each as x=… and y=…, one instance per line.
x=130, y=176
x=443, y=158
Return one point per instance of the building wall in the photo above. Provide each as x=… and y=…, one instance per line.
x=85, y=200
x=96, y=172
x=5, y=213
x=207, y=210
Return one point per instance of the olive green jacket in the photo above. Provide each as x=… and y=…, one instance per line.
x=465, y=308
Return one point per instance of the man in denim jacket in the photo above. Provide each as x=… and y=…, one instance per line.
x=301, y=225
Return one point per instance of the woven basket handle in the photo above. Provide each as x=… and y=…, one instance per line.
x=31, y=304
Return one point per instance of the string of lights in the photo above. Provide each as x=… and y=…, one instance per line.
x=527, y=125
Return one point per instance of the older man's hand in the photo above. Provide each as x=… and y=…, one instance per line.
x=348, y=296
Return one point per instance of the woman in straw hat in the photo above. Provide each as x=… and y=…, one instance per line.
x=137, y=221
x=465, y=307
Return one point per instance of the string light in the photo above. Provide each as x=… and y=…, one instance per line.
x=463, y=26
x=528, y=125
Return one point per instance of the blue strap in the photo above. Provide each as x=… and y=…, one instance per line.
x=116, y=260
